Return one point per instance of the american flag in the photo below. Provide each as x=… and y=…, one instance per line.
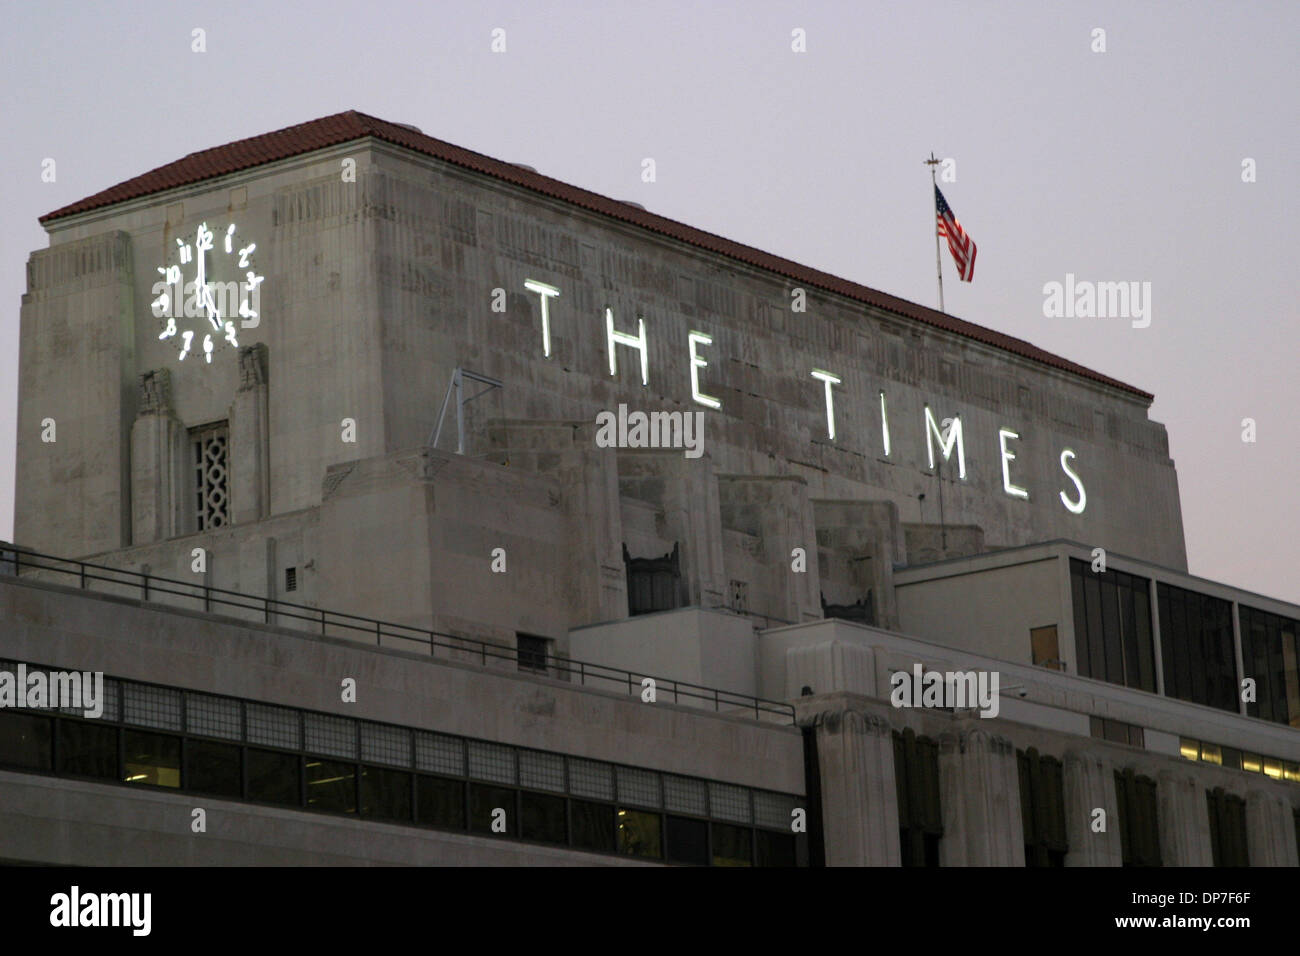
x=960, y=245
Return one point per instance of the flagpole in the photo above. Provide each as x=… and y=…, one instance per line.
x=932, y=162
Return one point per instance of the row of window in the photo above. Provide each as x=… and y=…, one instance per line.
x=201, y=743
x=1042, y=806
x=1240, y=760
x=94, y=750
x=1114, y=640
x=920, y=817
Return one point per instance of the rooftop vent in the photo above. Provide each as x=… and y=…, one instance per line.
x=531, y=169
x=413, y=129
x=634, y=205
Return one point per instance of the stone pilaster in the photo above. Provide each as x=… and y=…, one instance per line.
x=859, y=796
x=1184, y=821
x=979, y=792
x=159, y=452
x=1090, y=785
x=1270, y=830
x=250, y=448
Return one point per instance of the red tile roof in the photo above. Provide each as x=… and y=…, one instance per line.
x=345, y=127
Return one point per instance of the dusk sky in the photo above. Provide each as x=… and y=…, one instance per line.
x=1124, y=165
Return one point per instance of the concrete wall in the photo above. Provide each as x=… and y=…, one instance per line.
x=62, y=628
x=63, y=822
x=706, y=648
x=990, y=612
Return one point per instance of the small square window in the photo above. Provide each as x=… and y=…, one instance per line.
x=532, y=653
x=291, y=579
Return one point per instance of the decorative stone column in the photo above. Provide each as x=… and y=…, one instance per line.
x=1270, y=830
x=158, y=455
x=250, y=453
x=980, y=798
x=1184, y=821
x=1090, y=784
x=855, y=752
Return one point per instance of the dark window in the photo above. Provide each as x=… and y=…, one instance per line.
x=541, y=817
x=653, y=584
x=385, y=794
x=593, y=826
x=916, y=776
x=1042, y=808
x=639, y=833
x=1112, y=626
x=1196, y=642
x=688, y=841
x=732, y=846
x=87, y=749
x=1117, y=731
x=25, y=741
x=1270, y=649
x=212, y=767
x=484, y=801
x=1227, y=828
x=273, y=777
x=531, y=652
x=331, y=785
x=291, y=579
x=152, y=758
x=776, y=849
x=1139, y=824
x=860, y=610
x=440, y=802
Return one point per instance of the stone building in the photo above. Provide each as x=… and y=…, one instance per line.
x=311, y=467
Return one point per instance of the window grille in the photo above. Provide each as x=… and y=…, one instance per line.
x=211, y=487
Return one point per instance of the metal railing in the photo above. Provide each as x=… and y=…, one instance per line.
x=330, y=623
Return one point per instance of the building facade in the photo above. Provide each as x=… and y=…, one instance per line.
x=419, y=508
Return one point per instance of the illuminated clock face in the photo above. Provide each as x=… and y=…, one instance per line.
x=208, y=293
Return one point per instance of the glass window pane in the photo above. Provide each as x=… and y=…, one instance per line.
x=331, y=785
x=1144, y=639
x=1111, y=631
x=151, y=706
x=212, y=767
x=1081, y=653
x=1096, y=636
x=87, y=749
x=273, y=777
x=484, y=801
x=440, y=802
x=213, y=716
x=383, y=744
x=593, y=826
x=334, y=736
x=25, y=741
x=731, y=846
x=541, y=817
x=385, y=794
x=154, y=759
x=688, y=841
x=639, y=833
x=775, y=849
